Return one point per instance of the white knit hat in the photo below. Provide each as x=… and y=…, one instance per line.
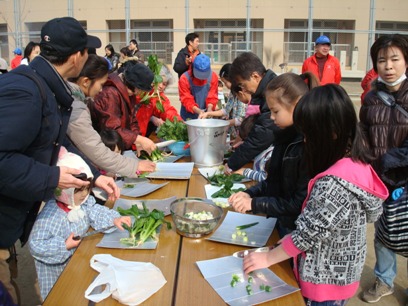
x=66, y=196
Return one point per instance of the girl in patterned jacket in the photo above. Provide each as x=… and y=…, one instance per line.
x=70, y=214
x=329, y=243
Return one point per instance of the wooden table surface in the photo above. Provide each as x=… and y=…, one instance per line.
x=175, y=256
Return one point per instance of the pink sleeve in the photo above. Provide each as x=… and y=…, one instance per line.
x=289, y=247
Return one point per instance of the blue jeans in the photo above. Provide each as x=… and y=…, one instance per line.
x=386, y=264
x=326, y=303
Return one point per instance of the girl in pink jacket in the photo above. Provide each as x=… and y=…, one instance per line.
x=329, y=243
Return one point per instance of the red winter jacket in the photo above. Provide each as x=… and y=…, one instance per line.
x=331, y=70
x=187, y=99
x=146, y=111
x=114, y=109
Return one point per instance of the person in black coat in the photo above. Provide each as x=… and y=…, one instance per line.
x=248, y=72
x=282, y=193
x=186, y=56
x=35, y=110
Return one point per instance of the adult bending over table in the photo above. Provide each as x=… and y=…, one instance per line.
x=115, y=106
x=80, y=129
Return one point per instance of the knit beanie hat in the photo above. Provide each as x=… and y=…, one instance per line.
x=66, y=196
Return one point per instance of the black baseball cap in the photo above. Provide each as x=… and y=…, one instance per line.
x=139, y=76
x=66, y=36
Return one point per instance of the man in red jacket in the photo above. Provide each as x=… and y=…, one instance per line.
x=325, y=66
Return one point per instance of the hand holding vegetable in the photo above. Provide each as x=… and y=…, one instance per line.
x=119, y=222
x=144, y=143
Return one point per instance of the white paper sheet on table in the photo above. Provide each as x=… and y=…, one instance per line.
x=112, y=240
x=210, y=171
x=138, y=189
x=258, y=235
x=218, y=273
x=177, y=171
x=211, y=189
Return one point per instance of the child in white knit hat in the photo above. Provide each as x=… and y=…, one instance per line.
x=69, y=214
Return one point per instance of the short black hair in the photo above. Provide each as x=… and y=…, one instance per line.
x=225, y=71
x=111, y=138
x=387, y=41
x=191, y=37
x=29, y=48
x=245, y=64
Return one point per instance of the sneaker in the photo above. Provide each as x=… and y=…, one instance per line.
x=377, y=291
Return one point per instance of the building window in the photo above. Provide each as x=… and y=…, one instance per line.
x=223, y=40
x=153, y=36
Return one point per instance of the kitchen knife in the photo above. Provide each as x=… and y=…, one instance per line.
x=93, y=232
x=242, y=254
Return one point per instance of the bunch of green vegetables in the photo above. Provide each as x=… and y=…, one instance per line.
x=144, y=226
x=176, y=130
x=156, y=155
x=220, y=179
x=226, y=191
x=155, y=66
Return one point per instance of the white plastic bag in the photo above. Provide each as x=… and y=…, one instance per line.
x=129, y=282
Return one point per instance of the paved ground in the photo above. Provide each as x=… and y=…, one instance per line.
x=27, y=275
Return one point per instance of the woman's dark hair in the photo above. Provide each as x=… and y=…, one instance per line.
x=111, y=138
x=111, y=49
x=388, y=41
x=292, y=86
x=328, y=121
x=225, y=72
x=247, y=125
x=29, y=48
x=246, y=64
x=95, y=67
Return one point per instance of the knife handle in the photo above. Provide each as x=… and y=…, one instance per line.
x=76, y=238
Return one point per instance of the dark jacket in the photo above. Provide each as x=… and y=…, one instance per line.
x=113, y=108
x=283, y=192
x=180, y=62
x=32, y=132
x=384, y=127
x=261, y=135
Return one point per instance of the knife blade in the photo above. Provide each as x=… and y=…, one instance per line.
x=242, y=254
x=78, y=237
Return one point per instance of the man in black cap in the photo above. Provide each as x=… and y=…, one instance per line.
x=35, y=109
x=115, y=106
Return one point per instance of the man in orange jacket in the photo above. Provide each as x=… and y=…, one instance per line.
x=325, y=66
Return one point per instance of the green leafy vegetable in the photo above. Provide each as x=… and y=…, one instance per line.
x=220, y=179
x=144, y=225
x=156, y=155
x=176, y=130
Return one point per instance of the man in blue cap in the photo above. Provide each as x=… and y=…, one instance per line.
x=325, y=66
x=198, y=88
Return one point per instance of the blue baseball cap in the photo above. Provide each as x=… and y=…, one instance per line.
x=17, y=51
x=323, y=40
x=202, y=67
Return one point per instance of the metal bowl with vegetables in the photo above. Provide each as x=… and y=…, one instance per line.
x=195, y=217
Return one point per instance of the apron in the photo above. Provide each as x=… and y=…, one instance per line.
x=199, y=93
